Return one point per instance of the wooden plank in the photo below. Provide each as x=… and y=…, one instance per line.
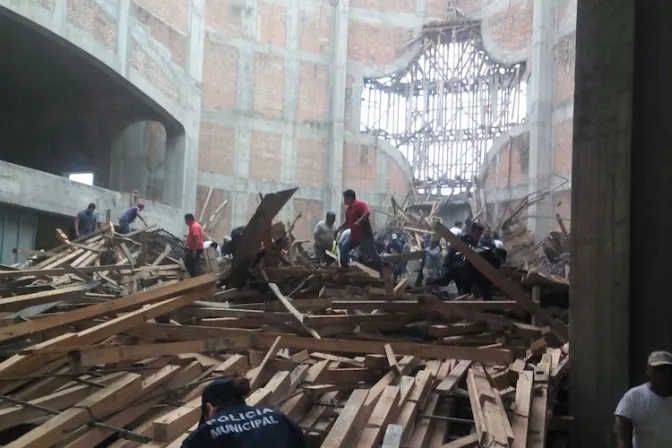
x=392, y=437
x=103, y=402
x=294, y=312
x=93, y=356
x=456, y=374
x=511, y=289
x=254, y=232
x=538, y=424
x=17, y=303
x=349, y=423
x=174, y=423
x=521, y=409
x=256, y=377
x=382, y=415
x=490, y=421
x=470, y=441
x=105, y=308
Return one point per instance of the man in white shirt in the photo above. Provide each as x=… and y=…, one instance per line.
x=323, y=235
x=457, y=228
x=213, y=245
x=643, y=418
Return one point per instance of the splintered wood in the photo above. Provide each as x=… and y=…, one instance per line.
x=105, y=342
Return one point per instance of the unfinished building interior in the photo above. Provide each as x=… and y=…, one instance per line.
x=198, y=106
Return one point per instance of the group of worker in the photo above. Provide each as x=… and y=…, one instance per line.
x=456, y=268
x=86, y=221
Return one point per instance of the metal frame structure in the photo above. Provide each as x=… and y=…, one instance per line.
x=446, y=108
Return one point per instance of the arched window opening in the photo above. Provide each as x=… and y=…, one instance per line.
x=444, y=111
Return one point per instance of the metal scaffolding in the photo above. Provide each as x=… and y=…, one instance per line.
x=444, y=111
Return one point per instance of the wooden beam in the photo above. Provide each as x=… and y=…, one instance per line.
x=514, y=291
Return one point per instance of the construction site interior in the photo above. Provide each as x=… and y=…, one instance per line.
x=520, y=115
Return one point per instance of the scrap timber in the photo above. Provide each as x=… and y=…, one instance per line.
x=106, y=342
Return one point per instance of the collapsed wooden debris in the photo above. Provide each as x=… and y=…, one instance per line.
x=104, y=341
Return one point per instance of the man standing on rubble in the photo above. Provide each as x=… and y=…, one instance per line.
x=323, y=235
x=129, y=216
x=85, y=221
x=194, y=253
x=643, y=416
x=361, y=233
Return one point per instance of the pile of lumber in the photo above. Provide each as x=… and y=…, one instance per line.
x=353, y=358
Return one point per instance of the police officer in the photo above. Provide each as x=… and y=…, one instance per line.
x=226, y=421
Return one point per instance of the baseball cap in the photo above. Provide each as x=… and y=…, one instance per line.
x=221, y=389
x=660, y=359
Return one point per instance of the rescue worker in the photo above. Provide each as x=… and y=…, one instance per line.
x=361, y=233
x=232, y=243
x=432, y=258
x=194, y=254
x=457, y=228
x=129, y=216
x=323, y=235
x=85, y=221
x=395, y=246
x=226, y=421
x=214, y=245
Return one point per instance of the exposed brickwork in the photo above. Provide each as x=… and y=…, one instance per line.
x=91, y=18
x=216, y=149
x=163, y=33
x=565, y=56
x=269, y=85
x=311, y=212
x=49, y=4
x=225, y=17
x=174, y=12
x=468, y=7
x=151, y=70
x=407, y=6
x=266, y=156
x=364, y=43
x=223, y=226
x=513, y=162
x=310, y=163
x=220, y=77
x=271, y=24
x=316, y=31
x=562, y=204
x=359, y=167
x=490, y=176
x=397, y=182
x=562, y=148
x=511, y=28
x=437, y=9
x=313, y=92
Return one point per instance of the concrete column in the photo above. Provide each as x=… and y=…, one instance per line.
x=601, y=157
x=339, y=78
x=651, y=217
x=540, y=106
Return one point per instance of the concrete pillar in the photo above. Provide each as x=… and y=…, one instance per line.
x=540, y=107
x=339, y=78
x=651, y=217
x=599, y=292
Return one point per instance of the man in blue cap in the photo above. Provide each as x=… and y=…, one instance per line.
x=227, y=421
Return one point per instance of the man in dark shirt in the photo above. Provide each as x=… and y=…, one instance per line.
x=129, y=216
x=85, y=221
x=361, y=234
x=226, y=421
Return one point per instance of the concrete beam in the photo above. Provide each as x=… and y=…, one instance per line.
x=36, y=190
x=601, y=166
x=540, y=106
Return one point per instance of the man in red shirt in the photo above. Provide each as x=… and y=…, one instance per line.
x=361, y=234
x=194, y=245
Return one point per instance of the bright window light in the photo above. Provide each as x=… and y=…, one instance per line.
x=82, y=178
